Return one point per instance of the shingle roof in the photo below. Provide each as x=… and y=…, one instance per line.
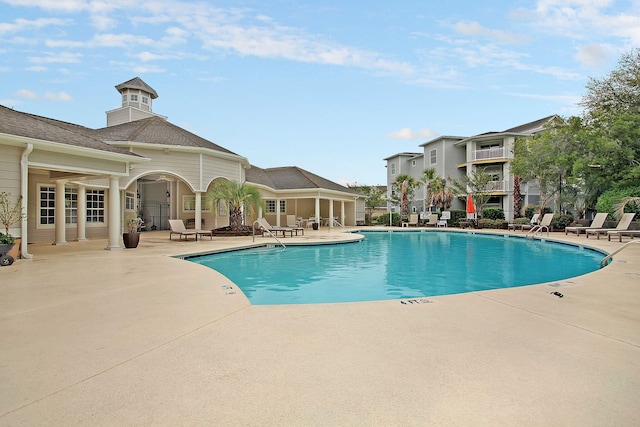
x=137, y=83
x=36, y=127
x=156, y=130
x=292, y=178
x=531, y=126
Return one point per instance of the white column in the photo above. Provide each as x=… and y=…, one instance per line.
x=277, y=212
x=342, y=214
x=24, y=192
x=61, y=238
x=82, y=213
x=330, y=214
x=198, y=223
x=318, y=210
x=113, y=218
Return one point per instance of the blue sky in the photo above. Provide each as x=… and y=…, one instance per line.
x=333, y=87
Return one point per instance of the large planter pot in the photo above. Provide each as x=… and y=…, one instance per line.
x=131, y=240
x=5, y=258
x=15, y=250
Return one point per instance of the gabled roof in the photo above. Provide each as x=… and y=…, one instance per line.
x=292, y=178
x=42, y=128
x=530, y=127
x=156, y=130
x=404, y=154
x=137, y=83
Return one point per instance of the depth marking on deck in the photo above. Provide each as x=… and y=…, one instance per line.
x=416, y=301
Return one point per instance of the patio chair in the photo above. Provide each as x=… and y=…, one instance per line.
x=292, y=222
x=525, y=226
x=433, y=220
x=264, y=226
x=545, y=223
x=623, y=225
x=444, y=218
x=597, y=222
x=629, y=233
x=177, y=227
x=412, y=222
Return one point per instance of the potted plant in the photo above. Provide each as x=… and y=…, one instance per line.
x=131, y=237
x=10, y=213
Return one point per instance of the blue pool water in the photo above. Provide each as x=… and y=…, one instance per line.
x=398, y=265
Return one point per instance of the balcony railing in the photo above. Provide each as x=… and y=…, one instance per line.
x=497, y=186
x=489, y=153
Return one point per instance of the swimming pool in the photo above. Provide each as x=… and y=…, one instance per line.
x=397, y=265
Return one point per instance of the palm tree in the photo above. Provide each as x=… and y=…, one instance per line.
x=624, y=202
x=238, y=196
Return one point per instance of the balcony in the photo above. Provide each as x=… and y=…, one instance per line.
x=489, y=154
x=497, y=187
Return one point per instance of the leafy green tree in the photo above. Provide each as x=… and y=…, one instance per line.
x=375, y=197
x=238, y=196
x=479, y=184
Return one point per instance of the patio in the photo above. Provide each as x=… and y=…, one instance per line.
x=136, y=337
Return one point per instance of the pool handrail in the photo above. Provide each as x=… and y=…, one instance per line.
x=253, y=230
x=606, y=259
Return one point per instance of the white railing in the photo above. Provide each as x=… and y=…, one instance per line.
x=489, y=153
x=497, y=186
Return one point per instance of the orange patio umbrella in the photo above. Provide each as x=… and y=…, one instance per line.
x=470, y=208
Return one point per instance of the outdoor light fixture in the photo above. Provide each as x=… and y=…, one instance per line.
x=168, y=194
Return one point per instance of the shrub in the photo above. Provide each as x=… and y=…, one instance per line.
x=559, y=222
x=384, y=219
x=6, y=239
x=534, y=209
x=611, y=197
x=493, y=213
x=521, y=220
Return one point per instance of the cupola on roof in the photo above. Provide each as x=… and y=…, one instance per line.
x=137, y=83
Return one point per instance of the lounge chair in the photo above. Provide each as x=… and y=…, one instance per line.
x=292, y=222
x=177, y=227
x=597, y=222
x=623, y=225
x=433, y=220
x=628, y=233
x=525, y=226
x=545, y=223
x=413, y=221
x=264, y=226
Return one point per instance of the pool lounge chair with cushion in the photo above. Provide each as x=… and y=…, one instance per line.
x=623, y=225
x=292, y=222
x=597, y=222
x=413, y=221
x=264, y=226
x=177, y=227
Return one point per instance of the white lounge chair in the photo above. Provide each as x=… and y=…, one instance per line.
x=412, y=222
x=623, y=225
x=264, y=226
x=433, y=220
x=177, y=227
x=597, y=222
x=444, y=218
x=545, y=223
x=525, y=226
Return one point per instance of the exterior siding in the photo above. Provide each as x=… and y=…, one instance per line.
x=71, y=162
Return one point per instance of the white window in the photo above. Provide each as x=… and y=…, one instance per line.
x=134, y=97
x=95, y=206
x=189, y=204
x=130, y=202
x=124, y=98
x=71, y=205
x=145, y=100
x=47, y=205
x=413, y=162
x=271, y=206
x=433, y=155
x=393, y=168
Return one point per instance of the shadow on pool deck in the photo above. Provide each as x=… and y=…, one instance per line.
x=137, y=337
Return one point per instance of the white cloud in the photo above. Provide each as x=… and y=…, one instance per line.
x=20, y=24
x=595, y=54
x=51, y=96
x=25, y=93
x=472, y=28
x=407, y=133
x=59, y=57
x=57, y=96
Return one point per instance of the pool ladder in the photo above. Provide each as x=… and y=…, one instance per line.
x=606, y=259
x=253, y=229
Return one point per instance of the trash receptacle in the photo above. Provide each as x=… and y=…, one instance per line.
x=314, y=225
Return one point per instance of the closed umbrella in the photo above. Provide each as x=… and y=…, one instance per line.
x=471, y=210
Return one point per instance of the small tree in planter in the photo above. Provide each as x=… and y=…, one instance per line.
x=131, y=237
x=10, y=213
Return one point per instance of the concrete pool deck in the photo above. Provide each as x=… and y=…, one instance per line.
x=136, y=337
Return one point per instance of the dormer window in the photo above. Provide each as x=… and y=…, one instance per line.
x=134, y=97
x=124, y=98
x=145, y=100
